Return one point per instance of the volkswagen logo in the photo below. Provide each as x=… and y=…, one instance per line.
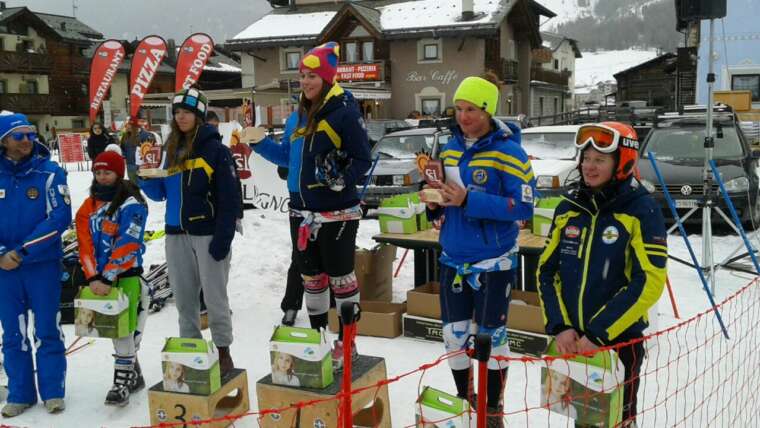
x=686, y=190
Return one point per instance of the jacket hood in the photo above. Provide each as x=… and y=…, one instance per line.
x=207, y=132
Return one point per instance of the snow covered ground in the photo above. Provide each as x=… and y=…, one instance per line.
x=259, y=264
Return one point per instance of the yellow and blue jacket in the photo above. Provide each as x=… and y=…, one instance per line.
x=202, y=194
x=604, y=264
x=500, y=183
x=340, y=126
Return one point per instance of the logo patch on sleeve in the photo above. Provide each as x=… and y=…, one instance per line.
x=527, y=193
x=2, y=193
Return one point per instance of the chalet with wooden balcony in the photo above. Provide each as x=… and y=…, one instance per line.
x=552, y=75
x=43, y=70
x=396, y=56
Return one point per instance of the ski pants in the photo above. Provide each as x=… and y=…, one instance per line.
x=35, y=288
x=139, y=300
x=487, y=307
x=329, y=261
x=191, y=268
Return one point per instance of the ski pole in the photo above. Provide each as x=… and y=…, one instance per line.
x=369, y=177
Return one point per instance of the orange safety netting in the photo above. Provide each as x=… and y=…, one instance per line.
x=690, y=376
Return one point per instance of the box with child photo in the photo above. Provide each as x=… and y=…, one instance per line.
x=190, y=366
x=300, y=357
x=588, y=390
x=101, y=316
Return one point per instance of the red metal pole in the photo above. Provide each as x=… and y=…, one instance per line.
x=349, y=332
x=672, y=298
x=482, y=354
x=401, y=263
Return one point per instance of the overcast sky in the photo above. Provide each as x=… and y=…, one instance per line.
x=177, y=19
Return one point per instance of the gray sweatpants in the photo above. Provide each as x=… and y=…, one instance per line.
x=191, y=268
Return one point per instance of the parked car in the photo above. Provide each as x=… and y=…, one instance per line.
x=678, y=144
x=522, y=121
x=396, y=171
x=377, y=128
x=553, y=156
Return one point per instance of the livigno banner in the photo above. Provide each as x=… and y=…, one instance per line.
x=108, y=56
x=148, y=56
x=193, y=55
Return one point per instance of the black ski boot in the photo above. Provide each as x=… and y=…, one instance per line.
x=139, y=381
x=123, y=379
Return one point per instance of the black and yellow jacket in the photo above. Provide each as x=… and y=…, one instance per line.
x=604, y=264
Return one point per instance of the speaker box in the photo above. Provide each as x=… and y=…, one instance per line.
x=690, y=10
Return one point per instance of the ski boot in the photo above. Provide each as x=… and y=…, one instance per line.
x=124, y=378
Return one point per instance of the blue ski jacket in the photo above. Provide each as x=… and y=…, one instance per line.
x=500, y=183
x=604, y=265
x=339, y=126
x=35, y=206
x=202, y=196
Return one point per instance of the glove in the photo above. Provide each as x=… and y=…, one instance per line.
x=218, y=250
x=329, y=169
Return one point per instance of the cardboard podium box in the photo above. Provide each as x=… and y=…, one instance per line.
x=173, y=407
x=525, y=325
x=371, y=408
x=379, y=319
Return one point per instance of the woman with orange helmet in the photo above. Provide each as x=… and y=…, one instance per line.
x=604, y=263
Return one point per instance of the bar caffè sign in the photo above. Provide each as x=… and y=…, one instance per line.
x=443, y=77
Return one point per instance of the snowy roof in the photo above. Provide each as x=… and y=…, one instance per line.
x=392, y=18
x=65, y=27
x=221, y=66
x=291, y=25
x=439, y=13
x=601, y=66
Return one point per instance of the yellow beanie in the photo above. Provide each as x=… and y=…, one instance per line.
x=480, y=92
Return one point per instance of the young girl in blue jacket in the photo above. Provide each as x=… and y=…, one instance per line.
x=326, y=150
x=488, y=188
x=110, y=231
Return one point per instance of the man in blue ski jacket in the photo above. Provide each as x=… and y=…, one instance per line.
x=36, y=209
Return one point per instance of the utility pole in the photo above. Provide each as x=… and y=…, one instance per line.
x=74, y=8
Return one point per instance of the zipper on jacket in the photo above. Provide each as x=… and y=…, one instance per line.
x=589, y=244
x=583, y=242
x=181, y=203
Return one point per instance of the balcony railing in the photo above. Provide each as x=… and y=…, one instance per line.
x=23, y=62
x=561, y=78
x=509, y=71
x=43, y=104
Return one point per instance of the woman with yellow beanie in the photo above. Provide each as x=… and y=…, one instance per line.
x=488, y=188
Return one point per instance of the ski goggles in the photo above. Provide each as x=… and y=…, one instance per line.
x=18, y=136
x=601, y=137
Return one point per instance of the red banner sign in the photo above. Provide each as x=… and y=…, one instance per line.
x=148, y=56
x=358, y=72
x=193, y=55
x=108, y=56
x=71, y=147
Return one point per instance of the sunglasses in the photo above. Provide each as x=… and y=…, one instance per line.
x=18, y=136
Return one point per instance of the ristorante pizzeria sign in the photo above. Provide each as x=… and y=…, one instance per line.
x=358, y=72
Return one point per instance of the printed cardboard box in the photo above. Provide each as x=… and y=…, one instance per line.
x=588, y=390
x=101, y=316
x=190, y=366
x=381, y=319
x=436, y=408
x=543, y=215
x=402, y=214
x=300, y=357
x=525, y=327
